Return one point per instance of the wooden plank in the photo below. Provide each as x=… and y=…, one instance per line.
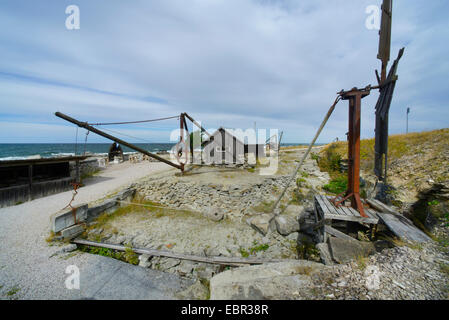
x=402, y=227
x=322, y=205
x=329, y=205
x=347, y=211
x=373, y=213
x=369, y=214
x=352, y=218
x=376, y=204
x=337, y=233
x=230, y=261
x=340, y=210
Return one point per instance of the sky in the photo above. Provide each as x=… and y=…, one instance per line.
x=227, y=63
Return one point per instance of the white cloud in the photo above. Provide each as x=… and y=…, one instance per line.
x=227, y=63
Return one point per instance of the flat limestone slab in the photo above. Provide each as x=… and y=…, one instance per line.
x=65, y=218
x=106, y=278
x=343, y=250
x=271, y=281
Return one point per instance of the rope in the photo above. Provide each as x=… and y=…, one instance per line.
x=131, y=122
x=85, y=142
x=292, y=177
x=126, y=135
x=76, y=141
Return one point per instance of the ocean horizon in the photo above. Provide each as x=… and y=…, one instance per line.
x=20, y=151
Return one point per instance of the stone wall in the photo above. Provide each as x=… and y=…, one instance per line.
x=234, y=200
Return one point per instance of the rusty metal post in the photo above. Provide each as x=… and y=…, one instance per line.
x=355, y=97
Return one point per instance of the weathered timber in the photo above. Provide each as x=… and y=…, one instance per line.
x=228, y=261
x=337, y=233
x=379, y=206
x=403, y=227
x=342, y=213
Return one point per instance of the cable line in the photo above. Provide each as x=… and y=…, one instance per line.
x=131, y=122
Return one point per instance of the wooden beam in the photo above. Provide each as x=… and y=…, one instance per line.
x=379, y=206
x=337, y=233
x=228, y=261
x=351, y=218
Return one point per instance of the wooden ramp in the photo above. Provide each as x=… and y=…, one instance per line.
x=400, y=226
x=397, y=223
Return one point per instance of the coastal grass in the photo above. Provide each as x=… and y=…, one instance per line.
x=401, y=145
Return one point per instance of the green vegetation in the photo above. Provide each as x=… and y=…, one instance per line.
x=206, y=283
x=51, y=237
x=431, y=142
x=256, y=248
x=337, y=185
x=253, y=250
x=243, y=252
x=307, y=251
x=361, y=262
x=304, y=174
x=130, y=256
x=330, y=161
x=444, y=267
x=103, y=252
x=13, y=291
x=300, y=182
x=264, y=207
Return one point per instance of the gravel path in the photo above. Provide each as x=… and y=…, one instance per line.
x=29, y=268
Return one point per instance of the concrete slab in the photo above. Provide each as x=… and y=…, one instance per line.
x=95, y=211
x=72, y=231
x=65, y=218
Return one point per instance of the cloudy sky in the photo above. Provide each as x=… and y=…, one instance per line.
x=225, y=62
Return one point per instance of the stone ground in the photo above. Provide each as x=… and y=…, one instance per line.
x=400, y=273
x=240, y=194
x=30, y=268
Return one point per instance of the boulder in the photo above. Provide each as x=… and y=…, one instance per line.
x=262, y=223
x=215, y=214
x=271, y=281
x=343, y=251
x=145, y=260
x=286, y=225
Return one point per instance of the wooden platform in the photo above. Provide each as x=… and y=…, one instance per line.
x=327, y=211
x=399, y=225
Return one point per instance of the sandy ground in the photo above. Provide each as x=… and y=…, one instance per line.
x=28, y=269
